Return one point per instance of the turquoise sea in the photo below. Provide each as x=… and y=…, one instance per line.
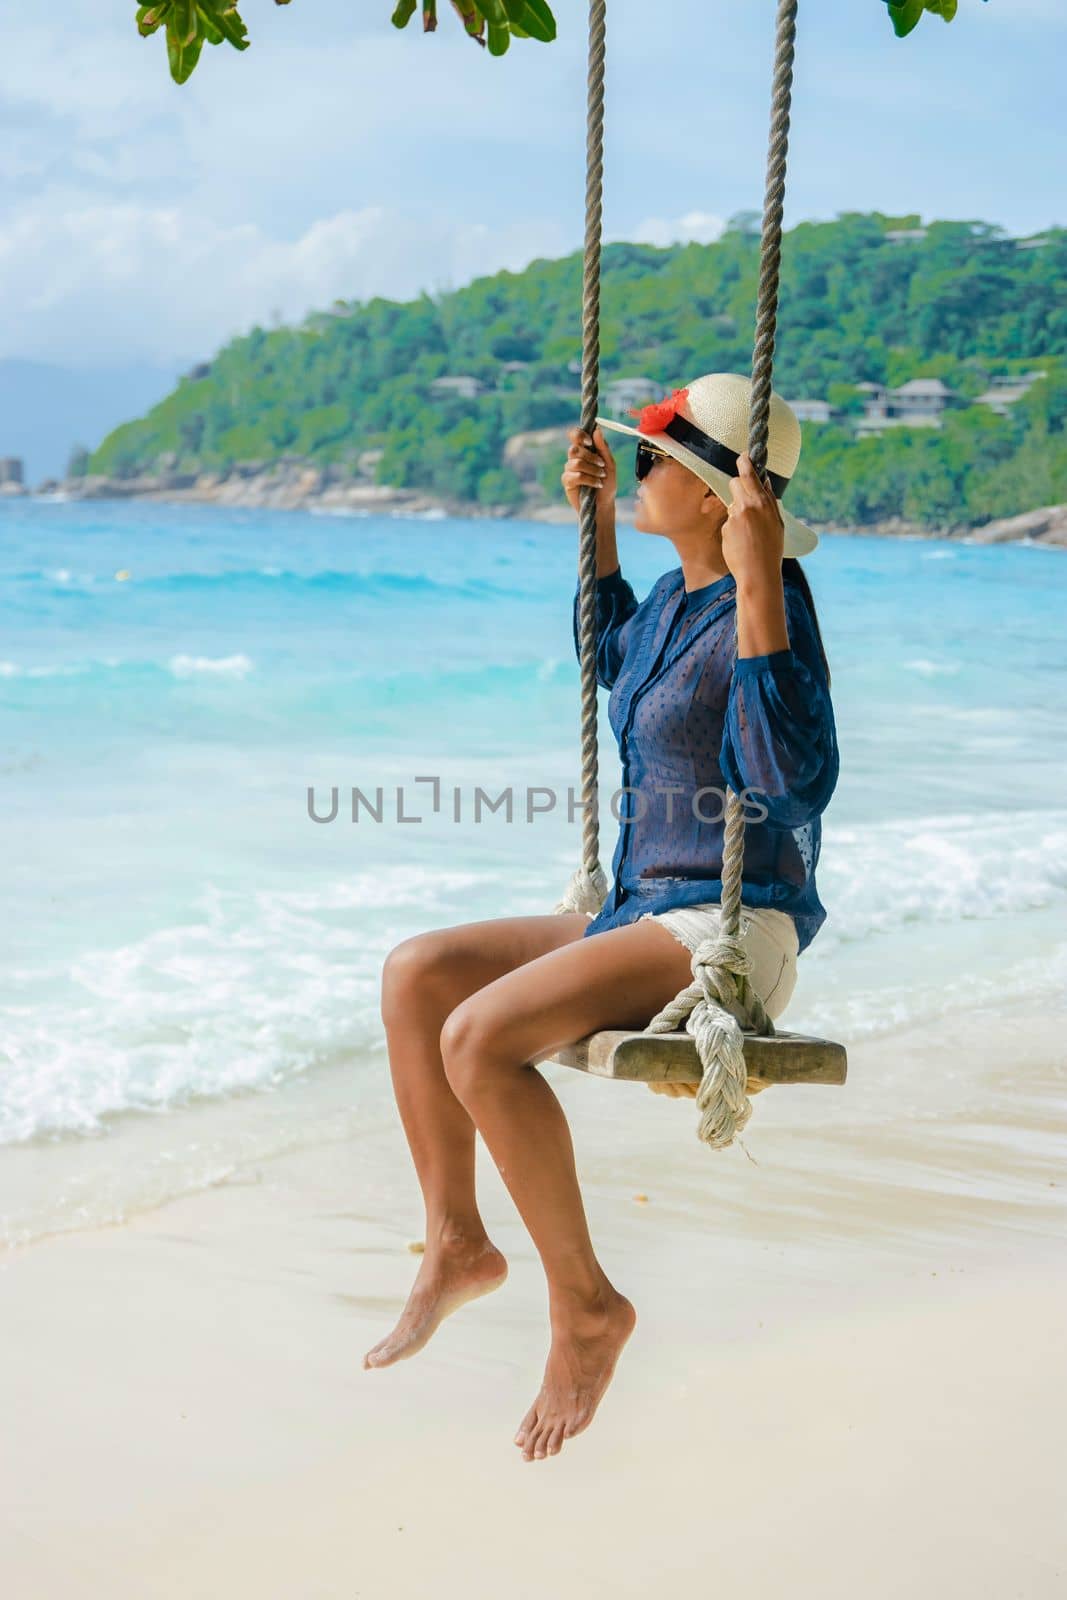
x=178, y=933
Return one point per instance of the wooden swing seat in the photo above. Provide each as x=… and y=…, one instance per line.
x=672, y=1058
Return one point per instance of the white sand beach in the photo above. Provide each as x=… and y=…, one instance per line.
x=847, y=1377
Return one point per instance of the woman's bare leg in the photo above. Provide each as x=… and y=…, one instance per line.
x=423, y=980
x=620, y=978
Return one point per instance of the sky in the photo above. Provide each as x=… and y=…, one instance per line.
x=145, y=223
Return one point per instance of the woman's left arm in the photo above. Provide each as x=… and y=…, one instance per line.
x=779, y=739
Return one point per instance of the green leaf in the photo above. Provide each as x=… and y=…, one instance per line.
x=149, y=18
x=499, y=39
x=226, y=20
x=183, y=56
x=906, y=16
x=183, y=19
x=404, y=13
x=470, y=16
x=537, y=20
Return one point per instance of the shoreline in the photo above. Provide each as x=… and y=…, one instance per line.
x=980, y=1161
x=312, y=490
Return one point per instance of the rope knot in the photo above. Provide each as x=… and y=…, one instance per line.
x=586, y=891
x=721, y=956
x=706, y=1010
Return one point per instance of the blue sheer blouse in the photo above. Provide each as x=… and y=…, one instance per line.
x=690, y=722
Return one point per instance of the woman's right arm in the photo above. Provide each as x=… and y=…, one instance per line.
x=589, y=461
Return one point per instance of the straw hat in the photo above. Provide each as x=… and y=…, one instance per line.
x=705, y=427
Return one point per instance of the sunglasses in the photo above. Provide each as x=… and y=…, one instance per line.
x=646, y=458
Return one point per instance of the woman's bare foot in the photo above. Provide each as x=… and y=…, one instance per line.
x=586, y=1344
x=451, y=1273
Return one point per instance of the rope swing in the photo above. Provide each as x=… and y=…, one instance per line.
x=707, y=1009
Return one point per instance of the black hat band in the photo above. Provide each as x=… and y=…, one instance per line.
x=714, y=453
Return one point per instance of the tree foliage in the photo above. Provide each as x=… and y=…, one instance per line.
x=865, y=299
x=907, y=14
x=491, y=24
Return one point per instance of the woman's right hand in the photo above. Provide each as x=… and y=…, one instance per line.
x=590, y=461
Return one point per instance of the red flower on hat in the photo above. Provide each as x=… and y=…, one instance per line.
x=654, y=418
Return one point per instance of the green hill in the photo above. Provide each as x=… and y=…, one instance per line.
x=866, y=299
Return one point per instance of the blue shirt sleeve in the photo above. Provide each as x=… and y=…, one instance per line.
x=615, y=605
x=780, y=738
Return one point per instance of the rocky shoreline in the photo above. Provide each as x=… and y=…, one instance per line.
x=307, y=488
x=1047, y=525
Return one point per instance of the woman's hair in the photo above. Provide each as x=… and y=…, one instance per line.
x=792, y=572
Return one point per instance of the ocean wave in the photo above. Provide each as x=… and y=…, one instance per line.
x=238, y=666
x=178, y=666
x=913, y=998
x=333, y=581
x=487, y=678
x=370, y=585
x=940, y=869
x=207, y=1009
x=259, y=988
x=65, y=580
x=17, y=669
x=933, y=669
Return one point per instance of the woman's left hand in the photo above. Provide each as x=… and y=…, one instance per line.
x=753, y=535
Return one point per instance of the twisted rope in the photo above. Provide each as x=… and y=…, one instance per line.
x=720, y=1001
x=762, y=374
x=588, y=888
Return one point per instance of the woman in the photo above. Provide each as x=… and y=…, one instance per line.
x=468, y=1010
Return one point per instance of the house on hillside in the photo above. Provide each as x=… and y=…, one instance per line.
x=902, y=235
x=812, y=410
x=461, y=384
x=1003, y=392
x=919, y=403
x=875, y=407
x=920, y=400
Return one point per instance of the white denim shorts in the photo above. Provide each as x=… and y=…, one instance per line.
x=770, y=937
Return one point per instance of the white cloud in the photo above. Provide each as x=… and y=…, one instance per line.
x=338, y=157
x=696, y=227
x=120, y=283
x=85, y=68
x=331, y=104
